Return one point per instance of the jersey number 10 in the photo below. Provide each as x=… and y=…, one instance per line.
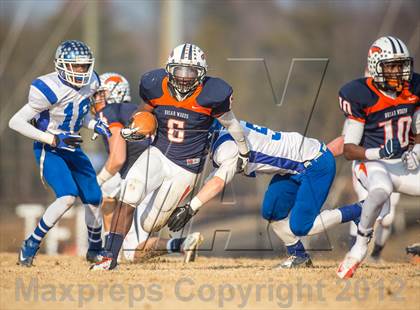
x=403, y=128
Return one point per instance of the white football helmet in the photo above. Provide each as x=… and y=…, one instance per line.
x=116, y=87
x=387, y=52
x=186, y=67
x=68, y=56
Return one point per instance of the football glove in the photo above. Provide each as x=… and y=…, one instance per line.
x=242, y=162
x=67, y=141
x=391, y=148
x=180, y=217
x=410, y=160
x=101, y=127
x=131, y=134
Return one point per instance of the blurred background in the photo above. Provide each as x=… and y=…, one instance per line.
x=250, y=44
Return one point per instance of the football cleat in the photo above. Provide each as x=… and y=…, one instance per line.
x=348, y=267
x=190, y=246
x=94, y=256
x=106, y=263
x=27, y=253
x=293, y=262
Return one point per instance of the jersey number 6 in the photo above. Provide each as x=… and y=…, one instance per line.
x=175, y=130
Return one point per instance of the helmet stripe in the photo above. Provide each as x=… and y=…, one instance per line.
x=190, y=53
x=399, y=44
x=394, y=49
x=183, y=51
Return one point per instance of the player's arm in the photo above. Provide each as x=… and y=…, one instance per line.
x=225, y=156
x=336, y=146
x=117, y=155
x=353, y=133
x=20, y=122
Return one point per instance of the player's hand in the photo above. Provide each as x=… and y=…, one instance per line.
x=131, y=134
x=391, y=148
x=180, y=217
x=410, y=160
x=101, y=127
x=242, y=162
x=67, y=141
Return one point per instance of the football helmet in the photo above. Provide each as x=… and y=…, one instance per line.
x=390, y=64
x=74, y=62
x=116, y=87
x=186, y=67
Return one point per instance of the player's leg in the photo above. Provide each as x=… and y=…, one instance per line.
x=315, y=184
x=56, y=173
x=110, y=191
x=278, y=201
x=144, y=177
x=91, y=196
x=361, y=193
x=376, y=179
x=384, y=227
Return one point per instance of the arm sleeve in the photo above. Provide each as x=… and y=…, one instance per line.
x=226, y=156
x=415, y=125
x=353, y=131
x=229, y=121
x=20, y=123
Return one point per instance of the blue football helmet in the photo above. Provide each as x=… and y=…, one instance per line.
x=74, y=62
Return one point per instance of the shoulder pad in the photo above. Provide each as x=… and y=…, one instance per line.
x=358, y=92
x=415, y=84
x=215, y=91
x=151, y=84
x=48, y=87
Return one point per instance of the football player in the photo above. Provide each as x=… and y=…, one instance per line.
x=185, y=102
x=380, y=111
x=113, y=105
x=57, y=105
x=303, y=170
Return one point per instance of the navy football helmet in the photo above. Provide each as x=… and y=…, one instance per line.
x=74, y=62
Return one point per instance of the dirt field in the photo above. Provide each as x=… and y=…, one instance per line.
x=64, y=282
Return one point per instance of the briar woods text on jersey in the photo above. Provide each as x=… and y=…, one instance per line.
x=177, y=114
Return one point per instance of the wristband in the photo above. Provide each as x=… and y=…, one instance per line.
x=103, y=176
x=372, y=153
x=195, y=203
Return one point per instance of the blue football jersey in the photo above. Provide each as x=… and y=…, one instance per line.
x=384, y=117
x=183, y=126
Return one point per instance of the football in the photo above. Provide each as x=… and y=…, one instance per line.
x=145, y=122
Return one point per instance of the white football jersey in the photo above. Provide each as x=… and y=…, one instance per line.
x=61, y=107
x=270, y=151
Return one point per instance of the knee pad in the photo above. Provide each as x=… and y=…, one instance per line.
x=387, y=220
x=67, y=200
x=132, y=192
x=379, y=195
x=298, y=228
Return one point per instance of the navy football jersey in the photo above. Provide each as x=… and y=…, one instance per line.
x=384, y=118
x=119, y=115
x=183, y=126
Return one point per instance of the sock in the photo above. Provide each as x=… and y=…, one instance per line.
x=174, y=245
x=114, y=243
x=297, y=249
x=377, y=249
x=352, y=241
x=39, y=232
x=350, y=212
x=94, y=238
